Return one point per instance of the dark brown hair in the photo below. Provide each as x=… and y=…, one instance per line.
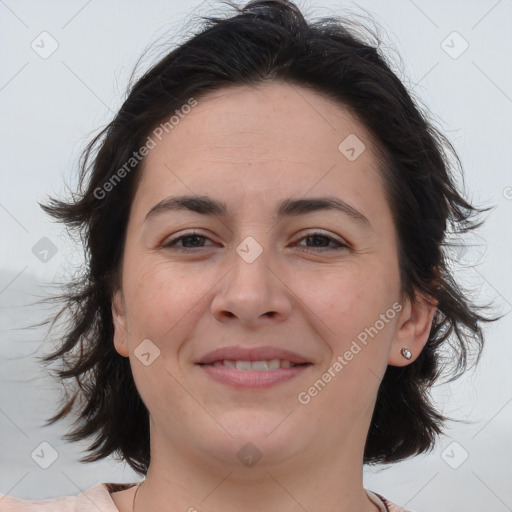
x=262, y=42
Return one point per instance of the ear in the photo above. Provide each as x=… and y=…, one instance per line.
x=414, y=325
x=119, y=320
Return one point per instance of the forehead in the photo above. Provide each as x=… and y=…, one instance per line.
x=260, y=119
x=261, y=144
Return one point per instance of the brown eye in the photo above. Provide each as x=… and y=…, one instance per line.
x=188, y=241
x=321, y=241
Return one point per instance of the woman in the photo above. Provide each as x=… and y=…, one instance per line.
x=267, y=288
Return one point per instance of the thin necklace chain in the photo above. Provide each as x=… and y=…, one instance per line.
x=138, y=487
x=134, y=496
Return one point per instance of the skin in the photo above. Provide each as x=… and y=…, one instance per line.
x=253, y=147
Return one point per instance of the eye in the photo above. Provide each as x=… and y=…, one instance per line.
x=320, y=239
x=191, y=238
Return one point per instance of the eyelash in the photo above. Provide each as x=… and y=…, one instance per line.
x=171, y=244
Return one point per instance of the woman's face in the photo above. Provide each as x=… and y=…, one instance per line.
x=322, y=283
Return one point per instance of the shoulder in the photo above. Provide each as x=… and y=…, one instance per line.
x=93, y=499
x=392, y=507
x=384, y=504
x=62, y=504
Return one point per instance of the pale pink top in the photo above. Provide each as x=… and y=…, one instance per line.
x=98, y=499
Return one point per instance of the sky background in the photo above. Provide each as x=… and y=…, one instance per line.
x=453, y=58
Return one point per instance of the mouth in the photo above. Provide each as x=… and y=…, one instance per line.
x=252, y=367
x=260, y=354
x=256, y=366
x=241, y=374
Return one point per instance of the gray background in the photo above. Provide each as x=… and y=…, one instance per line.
x=52, y=106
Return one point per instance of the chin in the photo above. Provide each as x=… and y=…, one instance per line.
x=260, y=435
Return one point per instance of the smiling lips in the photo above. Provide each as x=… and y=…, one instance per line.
x=237, y=353
x=258, y=367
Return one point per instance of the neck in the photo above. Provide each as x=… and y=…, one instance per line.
x=176, y=480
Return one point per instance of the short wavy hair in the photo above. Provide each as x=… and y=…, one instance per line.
x=261, y=42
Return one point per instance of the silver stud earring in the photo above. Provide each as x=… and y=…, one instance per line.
x=406, y=353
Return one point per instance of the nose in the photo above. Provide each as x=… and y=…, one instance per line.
x=252, y=294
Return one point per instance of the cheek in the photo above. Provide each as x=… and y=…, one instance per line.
x=350, y=299
x=347, y=315
x=162, y=300
x=161, y=304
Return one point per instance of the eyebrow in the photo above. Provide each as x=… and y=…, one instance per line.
x=288, y=208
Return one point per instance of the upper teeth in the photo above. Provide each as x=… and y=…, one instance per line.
x=259, y=366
